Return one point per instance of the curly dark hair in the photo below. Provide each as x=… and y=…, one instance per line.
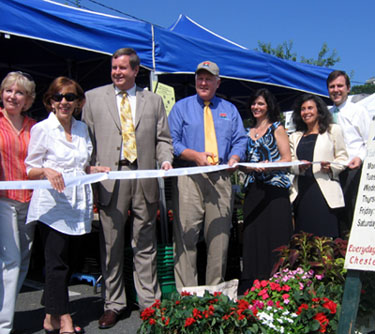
x=324, y=116
x=273, y=109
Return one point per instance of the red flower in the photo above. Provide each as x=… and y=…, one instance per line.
x=264, y=283
x=177, y=302
x=209, y=312
x=156, y=304
x=197, y=314
x=278, y=305
x=263, y=292
x=167, y=322
x=242, y=304
x=147, y=313
x=256, y=285
x=302, y=307
x=275, y=286
x=286, y=288
x=330, y=305
x=189, y=321
x=152, y=321
x=322, y=320
x=285, y=296
x=185, y=293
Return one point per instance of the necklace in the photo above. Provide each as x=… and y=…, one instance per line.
x=260, y=130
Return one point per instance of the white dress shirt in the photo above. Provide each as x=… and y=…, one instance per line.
x=71, y=211
x=355, y=124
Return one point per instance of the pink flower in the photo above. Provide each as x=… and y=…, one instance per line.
x=285, y=296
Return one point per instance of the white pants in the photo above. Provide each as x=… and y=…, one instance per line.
x=15, y=248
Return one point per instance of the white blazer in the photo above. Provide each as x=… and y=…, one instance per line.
x=329, y=146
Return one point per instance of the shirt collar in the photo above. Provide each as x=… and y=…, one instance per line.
x=213, y=101
x=131, y=91
x=342, y=105
x=56, y=123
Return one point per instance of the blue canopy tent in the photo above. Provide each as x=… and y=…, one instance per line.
x=187, y=26
x=48, y=39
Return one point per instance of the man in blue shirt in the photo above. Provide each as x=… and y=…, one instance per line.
x=204, y=201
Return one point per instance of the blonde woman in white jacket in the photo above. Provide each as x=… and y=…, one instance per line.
x=316, y=193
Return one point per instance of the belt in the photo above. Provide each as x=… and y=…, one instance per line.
x=126, y=162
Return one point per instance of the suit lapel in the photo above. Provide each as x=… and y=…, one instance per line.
x=110, y=102
x=140, y=106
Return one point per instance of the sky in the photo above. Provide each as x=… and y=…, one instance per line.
x=346, y=26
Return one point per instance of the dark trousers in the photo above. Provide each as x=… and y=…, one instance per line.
x=56, y=254
x=349, y=180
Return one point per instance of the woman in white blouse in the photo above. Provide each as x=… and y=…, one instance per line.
x=60, y=146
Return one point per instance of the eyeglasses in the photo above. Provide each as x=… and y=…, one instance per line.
x=26, y=75
x=68, y=96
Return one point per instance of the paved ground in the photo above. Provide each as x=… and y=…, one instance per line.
x=86, y=308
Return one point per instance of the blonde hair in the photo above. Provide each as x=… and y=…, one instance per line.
x=24, y=81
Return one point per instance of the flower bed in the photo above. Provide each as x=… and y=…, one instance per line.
x=303, y=296
x=290, y=302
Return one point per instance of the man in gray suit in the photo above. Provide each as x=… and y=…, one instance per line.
x=104, y=116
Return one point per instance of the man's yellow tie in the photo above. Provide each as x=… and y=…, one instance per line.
x=127, y=129
x=210, y=134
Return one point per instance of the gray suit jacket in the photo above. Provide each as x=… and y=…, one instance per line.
x=152, y=135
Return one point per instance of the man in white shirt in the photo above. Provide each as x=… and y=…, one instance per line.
x=355, y=123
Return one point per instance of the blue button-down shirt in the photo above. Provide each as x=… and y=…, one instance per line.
x=186, y=123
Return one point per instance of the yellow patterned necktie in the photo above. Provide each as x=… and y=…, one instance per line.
x=127, y=129
x=210, y=134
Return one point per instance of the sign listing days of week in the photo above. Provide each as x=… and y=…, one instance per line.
x=361, y=246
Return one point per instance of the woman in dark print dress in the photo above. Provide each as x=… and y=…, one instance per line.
x=267, y=209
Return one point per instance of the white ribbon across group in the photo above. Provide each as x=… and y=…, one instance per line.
x=140, y=174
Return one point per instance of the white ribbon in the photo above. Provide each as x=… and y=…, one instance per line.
x=140, y=174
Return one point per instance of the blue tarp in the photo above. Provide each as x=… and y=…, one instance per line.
x=160, y=49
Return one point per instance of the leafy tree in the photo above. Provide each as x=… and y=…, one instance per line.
x=283, y=51
x=325, y=57
x=367, y=88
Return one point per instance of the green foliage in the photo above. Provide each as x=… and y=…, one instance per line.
x=307, y=303
x=186, y=313
x=363, y=89
x=325, y=58
x=283, y=51
x=322, y=254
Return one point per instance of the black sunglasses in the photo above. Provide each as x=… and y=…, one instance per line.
x=69, y=97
